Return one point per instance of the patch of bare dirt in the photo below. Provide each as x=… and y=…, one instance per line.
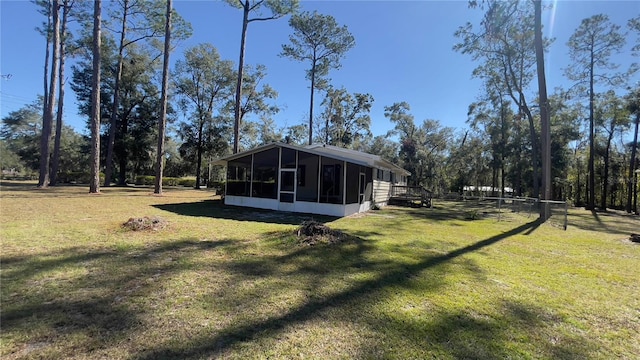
x=153, y=223
x=313, y=232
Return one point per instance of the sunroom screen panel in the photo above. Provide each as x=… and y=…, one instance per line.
x=239, y=176
x=265, y=174
x=307, y=176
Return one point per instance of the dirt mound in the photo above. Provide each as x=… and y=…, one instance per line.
x=145, y=223
x=312, y=232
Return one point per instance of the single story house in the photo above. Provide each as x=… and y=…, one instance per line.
x=317, y=179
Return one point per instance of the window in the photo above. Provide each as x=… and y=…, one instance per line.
x=265, y=176
x=239, y=176
x=392, y=178
x=380, y=174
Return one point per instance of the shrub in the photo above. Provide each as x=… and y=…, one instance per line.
x=145, y=180
x=218, y=186
x=77, y=177
x=166, y=181
x=169, y=181
x=472, y=215
x=188, y=182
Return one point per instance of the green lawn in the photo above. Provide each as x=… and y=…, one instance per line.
x=235, y=283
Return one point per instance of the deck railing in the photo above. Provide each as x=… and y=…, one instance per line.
x=411, y=194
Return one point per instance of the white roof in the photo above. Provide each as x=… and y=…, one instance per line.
x=368, y=159
x=352, y=156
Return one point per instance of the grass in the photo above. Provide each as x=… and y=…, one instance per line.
x=234, y=283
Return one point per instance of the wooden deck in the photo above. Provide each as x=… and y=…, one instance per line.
x=410, y=196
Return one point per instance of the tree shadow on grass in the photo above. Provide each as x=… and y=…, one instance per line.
x=609, y=221
x=96, y=310
x=454, y=210
x=502, y=334
x=21, y=268
x=217, y=209
x=9, y=189
x=435, y=213
x=16, y=185
x=391, y=275
x=44, y=303
x=87, y=301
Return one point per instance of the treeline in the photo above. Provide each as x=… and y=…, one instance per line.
x=592, y=156
x=217, y=106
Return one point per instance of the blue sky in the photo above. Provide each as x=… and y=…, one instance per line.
x=403, y=52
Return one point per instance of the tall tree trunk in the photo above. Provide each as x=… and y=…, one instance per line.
x=122, y=158
x=313, y=85
x=503, y=142
x=545, y=133
x=47, y=119
x=607, y=166
x=586, y=190
x=634, y=148
x=534, y=146
x=591, y=204
x=163, y=101
x=518, y=155
x=502, y=178
x=605, y=182
x=47, y=53
x=635, y=193
x=523, y=109
x=56, y=147
x=578, y=187
x=116, y=98
x=94, y=185
x=199, y=154
x=494, y=178
x=236, y=125
x=326, y=124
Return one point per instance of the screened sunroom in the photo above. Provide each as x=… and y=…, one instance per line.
x=316, y=179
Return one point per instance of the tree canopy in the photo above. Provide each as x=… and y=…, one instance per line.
x=319, y=40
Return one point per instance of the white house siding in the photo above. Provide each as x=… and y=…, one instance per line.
x=364, y=207
x=299, y=206
x=381, y=192
x=321, y=208
x=251, y=202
